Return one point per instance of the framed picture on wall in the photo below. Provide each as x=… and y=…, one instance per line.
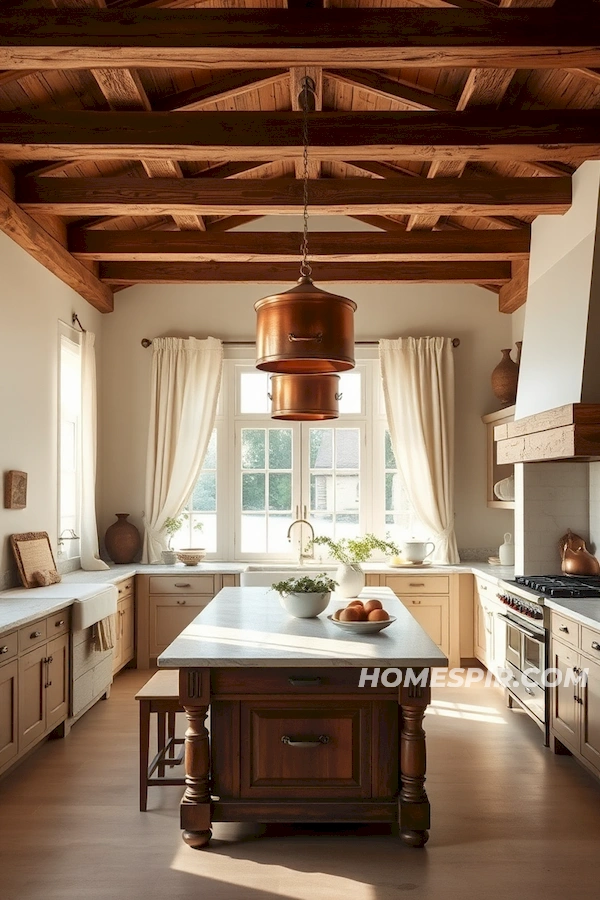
x=15, y=489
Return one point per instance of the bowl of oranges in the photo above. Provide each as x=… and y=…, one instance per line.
x=362, y=617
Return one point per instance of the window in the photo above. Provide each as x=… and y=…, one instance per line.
x=69, y=440
x=260, y=475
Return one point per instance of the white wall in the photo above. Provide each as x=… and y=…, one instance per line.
x=558, y=304
x=226, y=311
x=32, y=301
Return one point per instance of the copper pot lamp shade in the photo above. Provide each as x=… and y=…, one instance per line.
x=305, y=331
x=305, y=398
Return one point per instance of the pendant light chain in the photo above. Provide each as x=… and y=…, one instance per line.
x=308, y=88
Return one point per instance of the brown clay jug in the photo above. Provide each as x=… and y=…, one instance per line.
x=122, y=540
x=504, y=379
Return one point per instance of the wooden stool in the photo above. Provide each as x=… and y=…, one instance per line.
x=160, y=695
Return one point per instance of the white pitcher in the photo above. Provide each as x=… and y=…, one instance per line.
x=506, y=551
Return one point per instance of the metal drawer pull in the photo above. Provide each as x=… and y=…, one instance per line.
x=416, y=584
x=35, y=634
x=595, y=645
x=181, y=602
x=416, y=602
x=304, y=682
x=59, y=623
x=187, y=584
x=529, y=691
x=322, y=739
x=563, y=628
x=3, y=650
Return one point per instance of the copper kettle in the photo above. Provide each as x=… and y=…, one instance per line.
x=576, y=559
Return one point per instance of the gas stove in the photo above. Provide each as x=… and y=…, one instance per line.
x=573, y=586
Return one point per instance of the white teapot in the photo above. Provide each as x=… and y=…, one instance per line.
x=416, y=551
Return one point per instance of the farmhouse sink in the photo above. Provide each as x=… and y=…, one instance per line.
x=92, y=608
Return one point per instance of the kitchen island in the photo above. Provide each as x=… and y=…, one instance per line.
x=293, y=735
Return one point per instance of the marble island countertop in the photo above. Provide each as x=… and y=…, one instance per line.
x=249, y=627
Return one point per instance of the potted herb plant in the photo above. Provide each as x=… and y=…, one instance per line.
x=307, y=596
x=171, y=527
x=350, y=553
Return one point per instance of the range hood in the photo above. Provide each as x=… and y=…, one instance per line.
x=557, y=414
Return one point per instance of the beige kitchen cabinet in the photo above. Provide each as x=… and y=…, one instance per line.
x=43, y=689
x=489, y=629
x=575, y=707
x=496, y=471
x=9, y=704
x=432, y=615
x=166, y=604
x=57, y=683
x=124, y=622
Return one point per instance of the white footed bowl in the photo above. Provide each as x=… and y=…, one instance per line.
x=305, y=606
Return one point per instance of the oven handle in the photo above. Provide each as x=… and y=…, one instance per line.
x=532, y=634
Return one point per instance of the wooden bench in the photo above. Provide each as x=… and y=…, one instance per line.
x=159, y=695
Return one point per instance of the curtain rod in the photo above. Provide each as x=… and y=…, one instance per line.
x=146, y=342
x=75, y=321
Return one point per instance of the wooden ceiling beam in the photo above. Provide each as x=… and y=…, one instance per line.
x=48, y=251
x=375, y=273
x=447, y=246
x=221, y=89
x=282, y=196
x=389, y=89
x=335, y=38
x=268, y=136
x=514, y=294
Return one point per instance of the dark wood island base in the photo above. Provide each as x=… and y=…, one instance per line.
x=302, y=745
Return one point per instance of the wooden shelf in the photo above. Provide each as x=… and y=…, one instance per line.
x=496, y=471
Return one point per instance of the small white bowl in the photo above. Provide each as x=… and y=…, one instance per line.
x=305, y=606
x=363, y=627
x=191, y=556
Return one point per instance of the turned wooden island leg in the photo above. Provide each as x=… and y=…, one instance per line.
x=413, y=812
x=195, y=810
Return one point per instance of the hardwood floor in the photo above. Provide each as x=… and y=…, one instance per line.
x=509, y=820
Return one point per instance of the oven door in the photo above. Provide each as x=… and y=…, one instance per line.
x=525, y=649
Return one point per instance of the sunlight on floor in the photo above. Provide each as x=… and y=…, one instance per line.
x=281, y=882
x=465, y=711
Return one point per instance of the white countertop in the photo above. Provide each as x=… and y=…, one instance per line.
x=18, y=606
x=249, y=627
x=587, y=612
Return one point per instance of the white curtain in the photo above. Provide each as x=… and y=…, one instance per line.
x=418, y=386
x=88, y=547
x=186, y=377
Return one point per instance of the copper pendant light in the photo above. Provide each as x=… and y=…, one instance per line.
x=305, y=398
x=305, y=330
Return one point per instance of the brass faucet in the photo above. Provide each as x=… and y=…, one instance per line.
x=303, y=555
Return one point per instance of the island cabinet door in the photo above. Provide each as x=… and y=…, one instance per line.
x=320, y=749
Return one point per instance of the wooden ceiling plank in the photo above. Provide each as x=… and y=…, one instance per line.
x=383, y=86
x=375, y=273
x=267, y=136
x=297, y=74
x=514, y=294
x=221, y=89
x=335, y=38
x=398, y=196
x=29, y=235
x=448, y=246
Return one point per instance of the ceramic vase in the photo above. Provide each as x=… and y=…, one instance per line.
x=350, y=581
x=122, y=540
x=504, y=379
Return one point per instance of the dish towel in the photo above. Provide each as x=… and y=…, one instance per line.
x=104, y=634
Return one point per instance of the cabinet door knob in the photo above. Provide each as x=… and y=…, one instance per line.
x=564, y=629
x=322, y=739
x=35, y=634
x=3, y=650
x=181, y=602
x=59, y=623
x=595, y=645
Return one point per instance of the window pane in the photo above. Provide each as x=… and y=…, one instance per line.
x=205, y=493
x=254, y=534
x=210, y=460
x=253, y=448
x=346, y=493
x=277, y=526
x=254, y=389
x=350, y=389
x=321, y=448
x=400, y=515
x=390, y=459
x=253, y=491
x=347, y=448
x=280, y=449
x=280, y=491
x=321, y=491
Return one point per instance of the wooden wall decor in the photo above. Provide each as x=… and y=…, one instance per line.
x=15, y=489
x=34, y=558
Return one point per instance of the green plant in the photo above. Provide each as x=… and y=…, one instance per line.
x=172, y=526
x=320, y=584
x=351, y=551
